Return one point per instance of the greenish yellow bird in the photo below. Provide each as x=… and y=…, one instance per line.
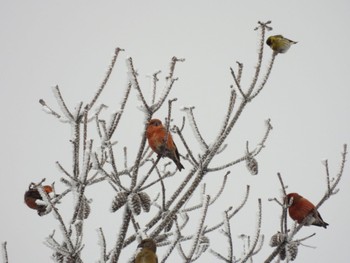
x=279, y=44
x=146, y=252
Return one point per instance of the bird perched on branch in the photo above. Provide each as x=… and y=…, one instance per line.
x=300, y=208
x=157, y=134
x=32, y=195
x=146, y=252
x=279, y=44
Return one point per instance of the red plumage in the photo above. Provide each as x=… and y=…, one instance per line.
x=32, y=195
x=301, y=208
x=156, y=135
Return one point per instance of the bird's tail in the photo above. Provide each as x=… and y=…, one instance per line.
x=179, y=165
x=320, y=223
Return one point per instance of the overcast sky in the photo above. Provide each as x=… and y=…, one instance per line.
x=70, y=44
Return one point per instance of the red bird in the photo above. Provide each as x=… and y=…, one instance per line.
x=156, y=134
x=32, y=195
x=301, y=208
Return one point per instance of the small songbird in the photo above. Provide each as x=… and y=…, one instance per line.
x=156, y=135
x=301, y=208
x=32, y=195
x=146, y=252
x=279, y=44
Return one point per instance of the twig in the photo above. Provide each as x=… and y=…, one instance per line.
x=200, y=226
x=257, y=234
x=61, y=103
x=168, y=174
x=115, y=122
x=212, y=200
x=229, y=110
x=4, y=252
x=172, y=66
x=135, y=83
x=230, y=215
x=102, y=243
x=143, y=180
x=121, y=236
x=266, y=77
x=48, y=110
x=237, y=82
x=178, y=131
x=105, y=80
x=193, y=124
x=155, y=80
x=243, y=158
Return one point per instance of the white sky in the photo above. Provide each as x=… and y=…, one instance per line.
x=44, y=43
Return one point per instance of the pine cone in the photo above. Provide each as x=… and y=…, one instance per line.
x=292, y=250
x=134, y=203
x=252, y=165
x=283, y=254
x=203, y=244
x=119, y=200
x=145, y=201
x=276, y=239
x=84, y=210
x=168, y=227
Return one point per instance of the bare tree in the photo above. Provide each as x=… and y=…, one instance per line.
x=94, y=162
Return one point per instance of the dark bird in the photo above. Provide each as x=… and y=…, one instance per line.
x=32, y=195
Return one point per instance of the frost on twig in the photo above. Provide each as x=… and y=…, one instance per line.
x=226, y=231
x=250, y=154
x=200, y=227
x=136, y=85
x=228, y=114
x=121, y=235
x=102, y=244
x=253, y=248
x=48, y=110
x=212, y=200
x=171, y=246
x=195, y=129
x=61, y=103
x=4, y=252
x=105, y=80
x=189, y=151
x=256, y=239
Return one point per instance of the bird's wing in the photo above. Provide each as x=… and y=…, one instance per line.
x=300, y=209
x=176, y=152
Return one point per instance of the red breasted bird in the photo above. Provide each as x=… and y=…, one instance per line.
x=146, y=252
x=279, y=44
x=32, y=195
x=156, y=135
x=301, y=208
